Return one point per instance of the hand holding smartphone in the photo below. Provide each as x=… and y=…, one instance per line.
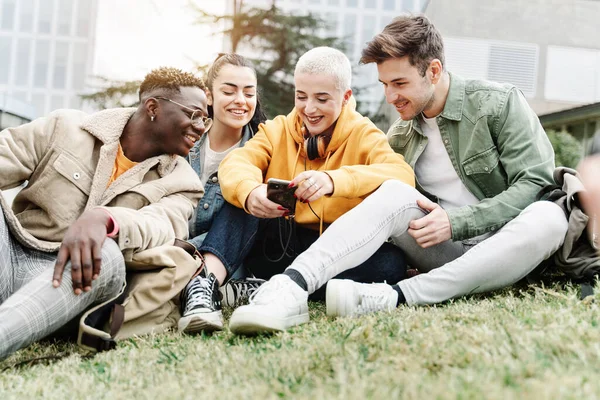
x=278, y=191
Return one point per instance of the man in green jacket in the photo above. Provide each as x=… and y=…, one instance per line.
x=480, y=157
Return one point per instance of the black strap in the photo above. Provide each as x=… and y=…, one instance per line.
x=113, y=312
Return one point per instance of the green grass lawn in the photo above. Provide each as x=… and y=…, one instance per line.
x=518, y=343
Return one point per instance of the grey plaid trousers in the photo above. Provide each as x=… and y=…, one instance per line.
x=30, y=307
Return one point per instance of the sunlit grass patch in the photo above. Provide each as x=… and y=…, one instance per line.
x=520, y=343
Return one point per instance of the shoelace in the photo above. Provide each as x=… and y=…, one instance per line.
x=199, y=293
x=373, y=298
x=243, y=290
x=269, y=292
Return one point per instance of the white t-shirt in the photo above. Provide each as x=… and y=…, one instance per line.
x=212, y=159
x=435, y=172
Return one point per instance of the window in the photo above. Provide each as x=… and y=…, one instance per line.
x=8, y=14
x=371, y=4
x=572, y=74
x=514, y=63
x=331, y=19
x=389, y=5
x=5, y=47
x=46, y=8
x=61, y=58
x=368, y=28
x=349, y=25
x=20, y=95
x=23, y=62
x=56, y=102
x=79, y=63
x=467, y=57
x=65, y=10
x=26, y=16
x=410, y=5
x=39, y=102
x=83, y=17
x=42, y=54
x=352, y=3
x=385, y=19
x=504, y=62
x=75, y=102
x=333, y=2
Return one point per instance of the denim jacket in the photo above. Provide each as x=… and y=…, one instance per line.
x=497, y=147
x=212, y=201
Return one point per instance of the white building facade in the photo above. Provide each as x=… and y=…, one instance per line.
x=356, y=21
x=47, y=51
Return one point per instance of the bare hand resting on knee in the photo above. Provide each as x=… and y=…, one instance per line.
x=432, y=229
x=82, y=245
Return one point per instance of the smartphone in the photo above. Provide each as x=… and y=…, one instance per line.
x=279, y=192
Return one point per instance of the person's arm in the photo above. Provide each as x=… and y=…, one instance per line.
x=243, y=169
x=378, y=164
x=162, y=221
x=528, y=160
x=21, y=149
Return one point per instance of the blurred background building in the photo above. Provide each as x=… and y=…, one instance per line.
x=14, y=112
x=550, y=49
x=46, y=51
x=356, y=22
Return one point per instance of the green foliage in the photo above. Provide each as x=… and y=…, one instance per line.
x=278, y=39
x=111, y=93
x=567, y=149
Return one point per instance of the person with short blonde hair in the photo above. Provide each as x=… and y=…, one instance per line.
x=326, y=61
x=334, y=158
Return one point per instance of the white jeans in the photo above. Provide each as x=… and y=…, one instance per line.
x=454, y=268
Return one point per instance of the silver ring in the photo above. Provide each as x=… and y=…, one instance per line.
x=311, y=181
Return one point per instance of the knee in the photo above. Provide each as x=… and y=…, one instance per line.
x=395, y=190
x=550, y=217
x=112, y=270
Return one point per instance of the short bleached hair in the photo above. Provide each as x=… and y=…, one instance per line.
x=327, y=61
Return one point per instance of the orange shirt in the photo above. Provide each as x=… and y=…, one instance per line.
x=122, y=165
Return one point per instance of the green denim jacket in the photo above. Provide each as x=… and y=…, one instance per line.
x=496, y=145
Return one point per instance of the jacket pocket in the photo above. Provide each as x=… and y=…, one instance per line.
x=73, y=172
x=482, y=163
x=485, y=171
x=399, y=141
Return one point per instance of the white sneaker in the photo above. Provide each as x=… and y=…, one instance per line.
x=348, y=298
x=277, y=305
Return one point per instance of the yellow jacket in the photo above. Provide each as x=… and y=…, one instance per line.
x=359, y=159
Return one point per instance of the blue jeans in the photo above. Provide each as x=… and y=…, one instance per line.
x=238, y=238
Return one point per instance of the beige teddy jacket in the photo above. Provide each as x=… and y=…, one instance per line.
x=67, y=159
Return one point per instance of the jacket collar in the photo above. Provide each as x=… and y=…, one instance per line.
x=453, y=109
x=107, y=126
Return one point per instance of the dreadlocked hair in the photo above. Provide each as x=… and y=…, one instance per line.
x=169, y=79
